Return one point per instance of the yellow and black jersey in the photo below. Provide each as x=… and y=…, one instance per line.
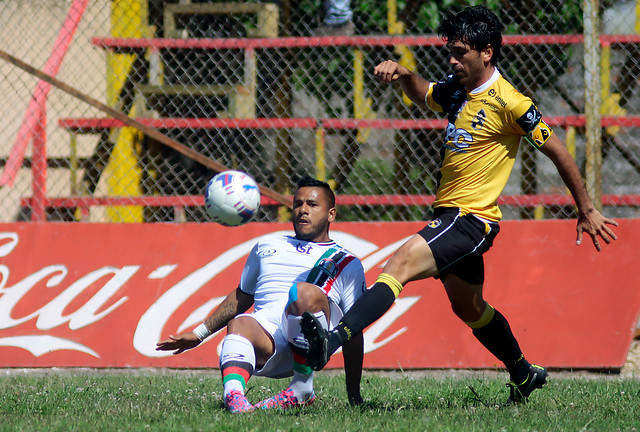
x=481, y=141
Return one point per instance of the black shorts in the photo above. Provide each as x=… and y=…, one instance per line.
x=458, y=242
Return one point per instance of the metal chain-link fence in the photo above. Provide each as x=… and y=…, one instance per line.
x=281, y=90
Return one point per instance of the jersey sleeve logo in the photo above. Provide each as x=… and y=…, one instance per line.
x=538, y=136
x=329, y=266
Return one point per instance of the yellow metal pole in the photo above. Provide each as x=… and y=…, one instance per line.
x=395, y=27
x=392, y=16
x=605, y=71
x=129, y=18
x=358, y=83
x=362, y=105
x=538, y=212
x=570, y=140
x=321, y=172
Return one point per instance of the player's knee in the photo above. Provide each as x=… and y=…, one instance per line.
x=238, y=325
x=466, y=311
x=413, y=260
x=306, y=297
x=458, y=310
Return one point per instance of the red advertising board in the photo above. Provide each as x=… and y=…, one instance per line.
x=102, y=295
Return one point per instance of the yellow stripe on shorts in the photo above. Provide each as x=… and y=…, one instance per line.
x=391, y=282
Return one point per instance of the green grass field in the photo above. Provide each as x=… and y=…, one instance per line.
x=191, y=401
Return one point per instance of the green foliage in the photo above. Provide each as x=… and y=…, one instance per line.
x=325, y=73
x=191, y=401
x=376, y=177
x=423, y=17
x=329, y=72
x=370, y=177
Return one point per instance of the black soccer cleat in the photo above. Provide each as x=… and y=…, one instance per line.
x=536, y=378
x=318, y=354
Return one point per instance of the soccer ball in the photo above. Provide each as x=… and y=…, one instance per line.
x=231, y=198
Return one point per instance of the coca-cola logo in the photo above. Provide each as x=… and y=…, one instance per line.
x=93, y=299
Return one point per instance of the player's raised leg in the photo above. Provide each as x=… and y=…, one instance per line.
x=412, y=261
x=303, y=296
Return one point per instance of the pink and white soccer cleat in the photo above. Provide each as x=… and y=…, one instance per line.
x=285, y=400
x=236, y=402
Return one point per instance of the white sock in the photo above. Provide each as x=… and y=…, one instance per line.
x=302, y=381
x=237, y=362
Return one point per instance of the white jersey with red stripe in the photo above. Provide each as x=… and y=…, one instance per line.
x=279, y=260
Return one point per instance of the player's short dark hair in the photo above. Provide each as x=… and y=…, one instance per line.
x=308, y=181
x=476, y=26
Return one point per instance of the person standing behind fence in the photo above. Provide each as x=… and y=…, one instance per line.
x=337, y=19
x=487, y=118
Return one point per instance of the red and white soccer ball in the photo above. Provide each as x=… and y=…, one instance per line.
x=231, y=198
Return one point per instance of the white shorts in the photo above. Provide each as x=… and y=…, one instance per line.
x=280, y=364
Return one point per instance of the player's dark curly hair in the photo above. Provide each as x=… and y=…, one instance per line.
x=476, y=26
x=308, y=181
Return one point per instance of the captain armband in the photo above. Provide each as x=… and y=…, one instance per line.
x=539, y=134
x=536, y=131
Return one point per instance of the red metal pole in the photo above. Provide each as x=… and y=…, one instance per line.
x=39, y=168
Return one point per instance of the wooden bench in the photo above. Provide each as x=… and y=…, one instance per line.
x=267, y=15
x=238, y=99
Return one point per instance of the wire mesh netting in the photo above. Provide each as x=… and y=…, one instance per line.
x=281, y=90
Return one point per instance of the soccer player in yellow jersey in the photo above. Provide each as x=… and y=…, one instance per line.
x=487, y=119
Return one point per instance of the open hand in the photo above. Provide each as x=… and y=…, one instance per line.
x=179, y=343
x=595, y=225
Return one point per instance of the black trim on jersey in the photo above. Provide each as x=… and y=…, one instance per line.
x=450, y=95
x=442, y=152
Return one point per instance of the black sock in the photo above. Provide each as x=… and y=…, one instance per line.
x=370, y=306
x=497, y=337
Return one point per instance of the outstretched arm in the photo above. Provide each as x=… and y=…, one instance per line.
x=414, y=86
x=590, y=220
x=237, y=302
x=353, y=354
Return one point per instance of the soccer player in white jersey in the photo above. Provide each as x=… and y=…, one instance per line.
x=283, y=277
x=487, y=119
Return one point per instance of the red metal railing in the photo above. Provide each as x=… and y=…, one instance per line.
x=39, y=201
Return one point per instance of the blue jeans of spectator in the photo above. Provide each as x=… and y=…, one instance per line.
x=337, y=12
